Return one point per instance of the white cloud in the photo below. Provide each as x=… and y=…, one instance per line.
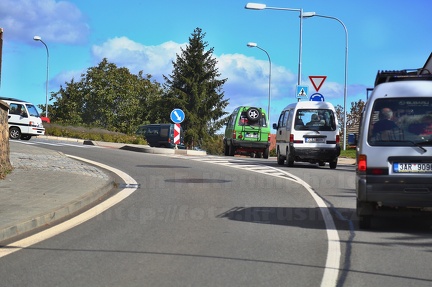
x=60, y=22
x=247, y=78
x=154, y=60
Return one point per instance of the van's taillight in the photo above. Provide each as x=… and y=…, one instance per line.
x=362, y=165
x=269, y=138
x=291, y=138
x=337, y=139
x=234, y=135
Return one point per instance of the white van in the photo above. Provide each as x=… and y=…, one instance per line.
x=394, y=148
x=23, y=119
x=308, y=132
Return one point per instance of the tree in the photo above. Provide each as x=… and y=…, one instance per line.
x=195, y=88
x=353, y=117
x=107, y=97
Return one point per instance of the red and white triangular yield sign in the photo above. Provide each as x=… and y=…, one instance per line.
x=317, y=81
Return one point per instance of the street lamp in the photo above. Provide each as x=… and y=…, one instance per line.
x=258, y=6
x=255, y=45
x=38, y=38
x=313, y=14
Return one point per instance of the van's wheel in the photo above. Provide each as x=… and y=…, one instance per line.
x=289, y=159
x=365, y=222
x=253, y=114
x=231, y=150
x=26, y=137
x=14, y=133
x=321, y=163
x=280, y=159
x=252, y=155
x=226, y=149
x=333, y=163
x=266, y=153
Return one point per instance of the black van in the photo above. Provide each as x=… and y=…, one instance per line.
x=160, y=135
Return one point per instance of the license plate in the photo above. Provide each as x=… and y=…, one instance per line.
x=315, y=140
x=249, y=135
x=411, y=167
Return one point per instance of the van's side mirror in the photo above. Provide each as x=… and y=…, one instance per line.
x=275, y=126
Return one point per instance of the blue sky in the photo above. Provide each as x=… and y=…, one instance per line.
x=146, y=35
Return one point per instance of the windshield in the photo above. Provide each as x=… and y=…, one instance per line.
x=397, y=121
x=315, y=119
x=32, y=110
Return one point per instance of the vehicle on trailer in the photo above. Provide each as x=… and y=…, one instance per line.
x=23, y=119
x=394, y=147
x=308, y=132
x=247, y=133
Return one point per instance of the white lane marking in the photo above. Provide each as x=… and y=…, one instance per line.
x=331, y=270
x=81, y=218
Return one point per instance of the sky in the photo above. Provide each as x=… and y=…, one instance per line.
x=146, y=35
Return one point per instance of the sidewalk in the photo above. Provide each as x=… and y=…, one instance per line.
x=46, y=186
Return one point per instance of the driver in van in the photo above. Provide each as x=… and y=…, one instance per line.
x=385, y=121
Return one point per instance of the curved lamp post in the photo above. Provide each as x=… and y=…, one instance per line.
x=38, y=38
x=258, y=6
x=255, y=45
x=313, y=14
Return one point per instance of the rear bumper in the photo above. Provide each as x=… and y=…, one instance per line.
x=315, y=153
x=250, y=144
x=400, y=191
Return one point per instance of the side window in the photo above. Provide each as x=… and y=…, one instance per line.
x=280, y=121
x=164, y=132
x=289, y=119
x=16, y=109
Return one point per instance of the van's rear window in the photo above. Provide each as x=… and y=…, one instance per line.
x=396, y=122
x=315, y=119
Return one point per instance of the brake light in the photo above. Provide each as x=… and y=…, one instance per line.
x=234, y=135
x=268, y=138
x=362, y=163
x=337, y=139
x=291, y=138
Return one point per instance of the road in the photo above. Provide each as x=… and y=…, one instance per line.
x=206, y=222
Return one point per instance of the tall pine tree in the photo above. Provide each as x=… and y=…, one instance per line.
x=195, y=88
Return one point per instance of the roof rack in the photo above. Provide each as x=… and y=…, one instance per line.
x=403, y=75
x=11, y=99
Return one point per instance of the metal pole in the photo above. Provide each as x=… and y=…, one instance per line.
x=269, y=85
x=346, y=74
x=37, y=38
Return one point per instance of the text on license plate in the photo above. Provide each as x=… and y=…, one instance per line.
x=250, y=135
x=412, y=167
x=315, y=140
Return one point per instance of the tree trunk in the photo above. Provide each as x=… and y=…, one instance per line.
x=5, y=165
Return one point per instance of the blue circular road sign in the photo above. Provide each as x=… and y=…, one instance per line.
x=177, y=116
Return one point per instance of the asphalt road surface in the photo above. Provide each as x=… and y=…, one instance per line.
x=220, y=221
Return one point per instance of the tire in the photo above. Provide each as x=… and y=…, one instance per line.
x=280, y=159
x=25, y=137
x=333, y=163
x=253, y=114
x=289, y=159
x=226, y=149
x=14, y=133
x=231, y=150
x=252, y=155
x=266, y=153
x=365, y=222
x=321, y=163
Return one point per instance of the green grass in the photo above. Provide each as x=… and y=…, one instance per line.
x=349, y=152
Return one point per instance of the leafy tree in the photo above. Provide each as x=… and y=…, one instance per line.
x=107, y=97
x=353, y=117
x=195, y=88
